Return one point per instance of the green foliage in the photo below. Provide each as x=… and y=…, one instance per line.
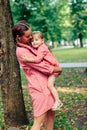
x=21, y=10
x=67, y=117
x=58, y=20
x=46, y=16
x=79, y=18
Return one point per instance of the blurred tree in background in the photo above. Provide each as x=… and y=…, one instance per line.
x=58, y=20
x=79, y=19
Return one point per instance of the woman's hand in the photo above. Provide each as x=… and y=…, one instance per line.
x=57, y=69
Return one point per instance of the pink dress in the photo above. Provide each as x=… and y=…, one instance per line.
x=37, y=75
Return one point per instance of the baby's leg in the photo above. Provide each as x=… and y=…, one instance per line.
x=51, y=81
x=58, y=104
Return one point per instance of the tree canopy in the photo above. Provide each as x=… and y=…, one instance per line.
x=58, y=20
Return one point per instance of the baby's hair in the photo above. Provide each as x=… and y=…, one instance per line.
x=38, y=33
x=19, y=29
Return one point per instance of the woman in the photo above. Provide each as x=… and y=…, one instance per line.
x=37, y=75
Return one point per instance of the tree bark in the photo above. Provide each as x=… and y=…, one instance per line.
x=80, y=37
x=12, y=96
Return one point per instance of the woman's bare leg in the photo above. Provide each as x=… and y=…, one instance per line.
x=50, y=120
x=38, y=122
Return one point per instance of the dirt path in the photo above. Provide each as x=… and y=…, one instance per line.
x=68, y=90
x=72, y=90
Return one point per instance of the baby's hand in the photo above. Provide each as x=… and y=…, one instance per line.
x=24, y=58
x=57, y=69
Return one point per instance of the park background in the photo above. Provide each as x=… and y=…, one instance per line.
x=64, y=25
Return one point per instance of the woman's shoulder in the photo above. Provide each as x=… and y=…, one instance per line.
x=21, y=51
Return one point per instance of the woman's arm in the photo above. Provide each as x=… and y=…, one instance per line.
x=42, y=67
x=40, y=56
x=41, y=53
x=46, y=68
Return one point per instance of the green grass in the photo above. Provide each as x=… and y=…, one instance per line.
x=1, y=115
x=23, y=78
x=71, y=55
x=72, y=77
x=72, y=111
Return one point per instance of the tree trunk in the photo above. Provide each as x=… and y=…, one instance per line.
x=12, y=97
x=80, y=37
x=52, y=44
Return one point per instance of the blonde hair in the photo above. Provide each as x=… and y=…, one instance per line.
x=38, y=33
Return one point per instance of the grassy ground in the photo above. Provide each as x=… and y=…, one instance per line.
x=71, y=55
x=72, y=88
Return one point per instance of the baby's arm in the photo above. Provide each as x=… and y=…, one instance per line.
x=41, y=53
x=42, y=67
x=40, y=56
x=57, y=69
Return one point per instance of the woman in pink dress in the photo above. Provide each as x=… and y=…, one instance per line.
x=37, y=75
x=42, y=52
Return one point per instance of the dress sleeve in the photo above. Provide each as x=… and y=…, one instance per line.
x=42, y=67
x=41, y=53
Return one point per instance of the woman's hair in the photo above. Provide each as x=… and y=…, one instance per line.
x=38, y=33
x=19, y=29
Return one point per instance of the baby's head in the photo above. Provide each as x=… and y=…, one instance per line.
x=37, y=39
x=22, y=32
